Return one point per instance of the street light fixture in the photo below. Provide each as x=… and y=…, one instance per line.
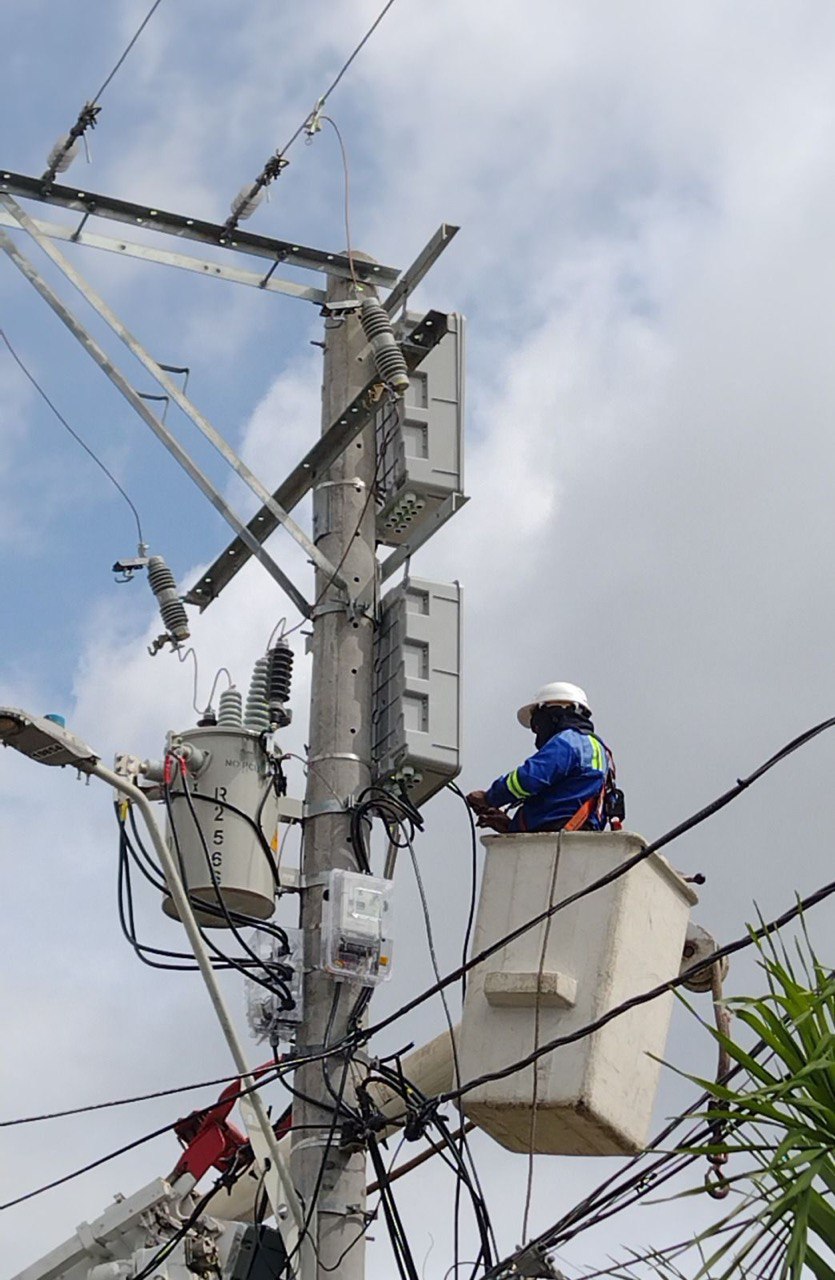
x=45, y=739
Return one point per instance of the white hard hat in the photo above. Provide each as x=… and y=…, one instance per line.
x=557, y=691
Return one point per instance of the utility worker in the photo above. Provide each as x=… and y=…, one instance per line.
x=568, y=784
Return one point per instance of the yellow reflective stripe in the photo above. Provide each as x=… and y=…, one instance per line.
x=597, y=755
x=515, y=787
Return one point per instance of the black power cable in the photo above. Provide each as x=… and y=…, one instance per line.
x=170, y=1245
x=669, y=836
x=394, y=1223
x=456, y=790
x=644, y=997
x=31, y=377
x=158, y=880
x=418, y=1107
x=751, y=938
x=253, y=967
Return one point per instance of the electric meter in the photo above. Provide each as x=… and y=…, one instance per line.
x=356, y=925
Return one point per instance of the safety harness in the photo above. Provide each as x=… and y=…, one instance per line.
x=608, y=804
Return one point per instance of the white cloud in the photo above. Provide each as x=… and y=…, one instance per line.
x=646, y=264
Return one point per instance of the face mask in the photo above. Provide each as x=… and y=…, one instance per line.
x=546, y=721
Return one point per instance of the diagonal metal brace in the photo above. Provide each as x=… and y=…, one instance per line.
x=415, y=346
x=160, y=431
x=174, y=392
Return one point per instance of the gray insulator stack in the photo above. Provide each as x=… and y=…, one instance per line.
x=231, y=709
x=257, y=700
x=171, y=607
x=280, y=682
x=246, y=201
x=388, y=357
x=63, y=153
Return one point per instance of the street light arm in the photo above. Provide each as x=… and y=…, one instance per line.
x=264, y=1142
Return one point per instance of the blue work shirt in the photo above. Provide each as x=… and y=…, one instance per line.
x=552, y=784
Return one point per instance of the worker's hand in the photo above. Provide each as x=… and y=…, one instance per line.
x=495, y=820
x=477, y=800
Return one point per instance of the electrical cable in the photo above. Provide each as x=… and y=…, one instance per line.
x=417, y=1104
x=812, y=900
x=73, y=433
x=181, y=657
x=447, y=1015
x=667, y=838
x=93, y=1164
x=263, y=926
x=278, y=161
x=282, y=973
x=394, y=1223
x=347, y=201
x=610, y=1196
x=308, y=1218
x=272, y=1070
x=397, y=814
x=537, y=1016
x=157, y=879
x=267, y=1075
x=170, y=1245
x=143, y=24
x=644, y=997
x=456, y=790
x=88, y=114
x=127, y=918
x=253, y=822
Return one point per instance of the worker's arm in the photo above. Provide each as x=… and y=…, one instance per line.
x=554, y=760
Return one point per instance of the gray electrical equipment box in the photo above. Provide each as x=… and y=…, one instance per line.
x=417, y=687
x=421, y=460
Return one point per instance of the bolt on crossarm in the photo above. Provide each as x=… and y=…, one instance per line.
x=340, y=750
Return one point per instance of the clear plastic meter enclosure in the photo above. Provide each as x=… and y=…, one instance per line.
x=356, y=927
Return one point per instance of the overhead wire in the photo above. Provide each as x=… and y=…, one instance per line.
x=93, y=1164
x=754, y=935
x=78, y=439
x=447, y=1015
x=88, y=114
x=278, y=161
x=456, y=790
x=751, y=938
x=615, y=874
x=291, y=1062
x=803, y=904
x=143, y=24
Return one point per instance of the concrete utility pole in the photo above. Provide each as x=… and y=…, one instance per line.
x=341, y=470
x=340, y=750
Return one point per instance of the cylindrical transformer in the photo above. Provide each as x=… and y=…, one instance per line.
x=221, y=858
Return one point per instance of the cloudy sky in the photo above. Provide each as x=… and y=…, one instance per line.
x=647, y=204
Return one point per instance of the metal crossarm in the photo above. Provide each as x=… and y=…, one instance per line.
x=89, y=204
x=173, y=391
x=417, y=344
x=125, y=248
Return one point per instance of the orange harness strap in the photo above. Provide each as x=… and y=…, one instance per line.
x=581, y=817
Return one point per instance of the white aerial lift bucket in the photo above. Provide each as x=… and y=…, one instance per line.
x=595, y=1096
